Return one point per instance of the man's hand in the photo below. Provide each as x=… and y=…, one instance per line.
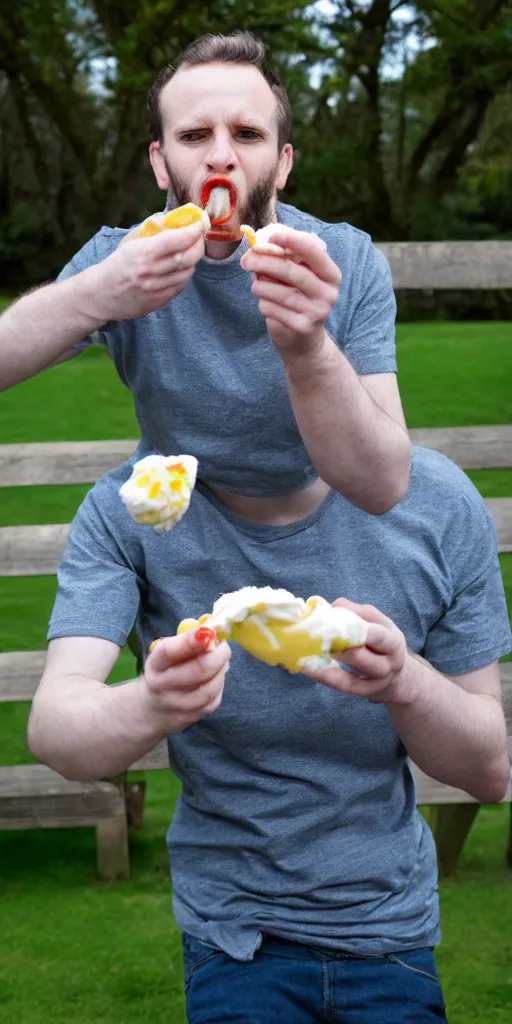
x=380, y=665
x=296, y=296
x=183, y=679
x=142, y=274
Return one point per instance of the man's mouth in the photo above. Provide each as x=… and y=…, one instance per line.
x=219, y=198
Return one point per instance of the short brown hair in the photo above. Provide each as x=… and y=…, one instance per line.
x=236, y=48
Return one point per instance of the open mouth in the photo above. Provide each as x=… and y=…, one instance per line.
x=218, y=199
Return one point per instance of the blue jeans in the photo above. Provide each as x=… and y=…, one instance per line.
x=287, y=983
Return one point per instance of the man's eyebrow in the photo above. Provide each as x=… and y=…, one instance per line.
x=237, y=120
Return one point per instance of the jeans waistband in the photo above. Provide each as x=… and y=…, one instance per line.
x=299, y=951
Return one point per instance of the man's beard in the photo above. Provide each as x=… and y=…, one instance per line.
x=256, y=211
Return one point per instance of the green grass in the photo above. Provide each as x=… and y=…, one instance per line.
x=76, y=949
x=80, y=400
x=452, y=374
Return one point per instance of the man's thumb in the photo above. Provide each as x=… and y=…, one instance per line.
x=174, y=650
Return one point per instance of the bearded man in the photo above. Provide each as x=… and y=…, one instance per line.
x=279, y=375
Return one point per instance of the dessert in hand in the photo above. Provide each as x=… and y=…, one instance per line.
x=206, y=640
x=159, y=490
x=260, y=239
x=216, y=213
x=179, y=218
x=281, y=629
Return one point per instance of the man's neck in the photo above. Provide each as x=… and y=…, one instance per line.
x=220, y=250
x=281, y=511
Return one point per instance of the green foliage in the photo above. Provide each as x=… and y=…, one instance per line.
x=402, y=115
x=395, y=123
x=73, y=86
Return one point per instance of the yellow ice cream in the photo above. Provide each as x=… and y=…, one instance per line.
x=261, y=239
x=159, y=490
x=179, y=218
x=281, y=629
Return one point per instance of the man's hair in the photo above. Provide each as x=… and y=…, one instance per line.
x=237, y=48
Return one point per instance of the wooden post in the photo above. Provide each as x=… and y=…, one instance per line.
x=451, y=824
x=112, y=847
x=509, y=847
x=135, y=801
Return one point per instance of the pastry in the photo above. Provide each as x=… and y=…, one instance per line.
x=179, y=218
x=281, y=629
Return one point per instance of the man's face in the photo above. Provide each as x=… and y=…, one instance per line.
x=221, y=119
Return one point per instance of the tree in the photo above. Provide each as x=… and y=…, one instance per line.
x=392, y=127
x=401, y=111
x=73, y=84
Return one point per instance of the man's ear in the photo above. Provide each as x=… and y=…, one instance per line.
x=284, y=166
x=158, y=164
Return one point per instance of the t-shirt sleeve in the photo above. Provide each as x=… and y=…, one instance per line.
x=86, y=257
x=99, y=585
x=475, y=630
x=369, y=343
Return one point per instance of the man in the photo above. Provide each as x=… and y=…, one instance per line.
x=304, y=879
x=283, y=386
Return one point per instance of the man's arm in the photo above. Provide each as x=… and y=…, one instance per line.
x=453, y=728
x=44, y=325
x=87, y=730
x=139, y=277
x=353, y=428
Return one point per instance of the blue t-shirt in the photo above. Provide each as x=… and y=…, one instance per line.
x=207, y=380
x=297, y=814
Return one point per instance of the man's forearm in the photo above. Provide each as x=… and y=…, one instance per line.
x=456, y=737
x=87, y=731
x=354, y=445
x=42, y=326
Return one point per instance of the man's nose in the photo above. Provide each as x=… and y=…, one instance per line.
x=221, y=156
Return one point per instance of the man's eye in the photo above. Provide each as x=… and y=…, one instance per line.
x=192, y=136
x=248, y=133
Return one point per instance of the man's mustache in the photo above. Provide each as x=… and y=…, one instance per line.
x=254, y=211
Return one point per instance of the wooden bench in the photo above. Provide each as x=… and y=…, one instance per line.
x=33, y=796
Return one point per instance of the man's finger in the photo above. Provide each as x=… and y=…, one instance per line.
x=365, y=611
x=345, y=682
x=133, y=233
x=314, y=307
x=365, y=662
x=195, y=673
x=295, y=275
x=182, y=260
x=381, y=639
x=174, y=650
x=311, y=249
x=171, y=240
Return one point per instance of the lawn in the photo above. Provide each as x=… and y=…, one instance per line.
x=75, y=949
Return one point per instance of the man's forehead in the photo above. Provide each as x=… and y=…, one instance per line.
x=210, y=91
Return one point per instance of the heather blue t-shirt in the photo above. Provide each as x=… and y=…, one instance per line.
x=297, y=813
x=207, y=380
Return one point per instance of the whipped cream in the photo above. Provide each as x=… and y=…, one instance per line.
x=265, y=602
x=277, y=616
x=260, y=239
x=159, y=489
x=329, y=625
x=181, y=216
x=219, y=203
